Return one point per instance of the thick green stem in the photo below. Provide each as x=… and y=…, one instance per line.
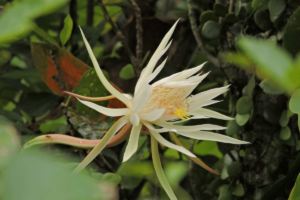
x=159, y=171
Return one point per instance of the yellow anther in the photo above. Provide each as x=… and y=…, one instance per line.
x=182, y=113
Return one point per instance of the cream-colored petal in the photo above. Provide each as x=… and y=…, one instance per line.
x=210, y=113
x=133, y=142
x=100, y=146
x=134, y=119
x=194, y=105
x=187, y=73
x=165, y=142
x=113, y=112
x=205, y=135
x=190, y=128
x=102, y=78
x=159, y=130
x=152, y=116
x=149, y=68
x=141, y=99
x=159, y=171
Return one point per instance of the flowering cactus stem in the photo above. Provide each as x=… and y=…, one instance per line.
x=79, y=142
x=159, y=171
x=196, y=160
x=89, y=98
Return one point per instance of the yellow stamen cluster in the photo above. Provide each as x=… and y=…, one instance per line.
x=182, y=113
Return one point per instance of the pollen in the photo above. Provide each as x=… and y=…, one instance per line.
x=182, y=113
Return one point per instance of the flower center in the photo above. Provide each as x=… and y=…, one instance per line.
x=182, y=113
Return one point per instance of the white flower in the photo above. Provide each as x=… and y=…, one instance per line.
x=163, y=104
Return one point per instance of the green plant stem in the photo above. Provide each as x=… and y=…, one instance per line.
x=159, y=170
x=44, y=35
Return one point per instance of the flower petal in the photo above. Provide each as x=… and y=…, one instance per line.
x=149, y=68
x=165, y=142
x=159, y=171
x=134, y=119
x=210, y=113
x=205, y=135
x=102, y=78
x=107, y=111
x=159, y=130
x=187, y=73
x=190, y=128
x=152, y=116
x=133, y=142
x=101, y=145
x=140, y=100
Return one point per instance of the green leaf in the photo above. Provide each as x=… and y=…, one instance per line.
x=206, y=147
x=13, y=27
x=225, y=193
x=284, y=119
x=67, y=30
x=260, y=4
x=262, y=20
x=234, y=169
x=232, y=128
x=9, y=144
x=295, y=194
x=276, y=8
x=274, y=62
x=127, y=72
x=224, y=173
x=211, y=30
x=208, y=15
x=241, y=120
x=220, y=9
x=244, y=105
x=53, y=125
x=294, y=103
x=269, y=87
x=292, y=34
x=250, y=86
x=91, y=86
x=114, y=54
x=111, y=178
x=238, y=190
x=285, y=133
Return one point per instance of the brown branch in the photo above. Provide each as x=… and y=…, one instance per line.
x=119, y=34
x=106, y=163
x=139, y=36
x=231, y=3
x=199, y=41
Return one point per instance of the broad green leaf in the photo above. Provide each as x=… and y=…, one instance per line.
x=175, y=172
x=262, y=20
x=292, y=34
x=269, y=87
x=234, y=169
x=276, y=8
x=16, y=21
x=250, y=87
x=224, y=173
x=225, y=193
x=285, y=133
x=241, y=120
x=284, y=119
x=9, y=144
x=127, y=72
x=260, y=4
x=67, y=30
x=211, y=30
x=274, y=62
x=206, y=147
x=238, y=190
x=244, y=105
x=295, y=193
x=294, y=103
x=232, y=128
x=54, y=126
x=111, y=178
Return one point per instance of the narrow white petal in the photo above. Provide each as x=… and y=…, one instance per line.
x=194, y=105
x=164, y=42
x=102, y=78
x=140, y=100
x=101, y=145
x=149, y=69
x=107, y=111
x=210, y=113
x=152, y=116
x=159, y=130
x=209, y=94
x=187, y=73
x=134, y=119
x=165, y=142
x=205, y=135
x=190, y=128
x=133, y=142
